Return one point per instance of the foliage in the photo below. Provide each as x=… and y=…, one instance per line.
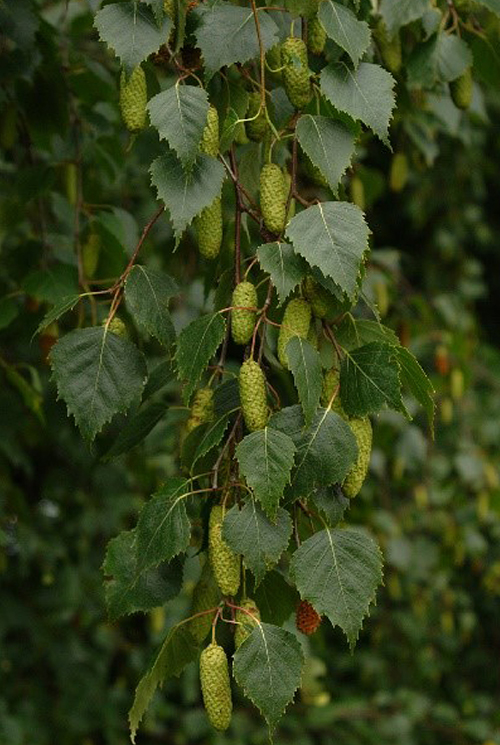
x=130, y=336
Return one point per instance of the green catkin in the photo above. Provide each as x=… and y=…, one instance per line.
x=272, y=197
x=133, y=99
x=90, y=254
x=206, y=595
x=316, y=36
x=461, y=90
x=243, y=320
x=389, y=48
x=210, y=138
x=357, y=192
x=287, y=183
x=256, y=129
x=296, y=72
x=313, y=173
x=331, y=380
x=118, y=327
x=216, y=686
x=312, y=336
x=246, y=623
x=208, y=225
x=398, y=175
x=318, y=297
x=252, y=385
x=362, y=430
x=226, y=565
x=202, y=409
x=296, y=321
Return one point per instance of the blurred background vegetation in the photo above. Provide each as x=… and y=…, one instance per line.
x=426, y=669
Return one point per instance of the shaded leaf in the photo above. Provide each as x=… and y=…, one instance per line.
x=328, y=143
x=442, y=58
x=305, y=365
x=284, y=266
x=343, y=27
x=202, y=439
x=397, y=13
x=417, y=381
x=186, y=193
x=275, y=598
x=261, y=542
x=369, y=379
x=355, y=332
x=178, y=649
x=147, y=292
x=197, y=343
x=136, y=429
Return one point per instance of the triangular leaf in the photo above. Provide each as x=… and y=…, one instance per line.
x=186, y=193
x=369, y=379
x=129, y=590
x=305, y=366
x=343, y=27
x=397, y=13
x=202, y=439
x=325, y=450
x=334, y=237
x=197, y=343
x=136, y=428
x=338, y=572
x=266, y=459
x=227, y=35
x=131, y=30
x=417, y=381
x=284, y=266
x=178, y=649
x=329, y=145
x=260, y=541
x=147, y=292
x=365, y=94
x=268, y=666
x=179, y=114
x=98, y=374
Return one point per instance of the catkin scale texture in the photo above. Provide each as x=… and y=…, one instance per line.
x=205, y=596
x=296, y=72
x=210, y=138
x=307, y=619
x=296, y=322
x=208, y=225
x=243, y=320
x=256, y=129
x=362, y=430
x=133, y=99
x=216, y=686
x=246, y=623
x=272, y=197
x=316, y=36
x=461, y=90
x=252, y=384
x=202, y=409
x=226, y=565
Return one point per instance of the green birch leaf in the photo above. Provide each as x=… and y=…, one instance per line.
x=62, y=307
x=325, y=450
x=283, y=265
x=186, y=193
x=365, y=94
x=275, y=598
x=369, y=379
x=338, y=572
x=328, y=143
x=334, y=237
x=147, y=292
x=136, y=428
x=442, y=58
x=332, y=503
x=261, y=542
x=163, y=529
x=305, y=366
x=131, y=31
x=226, y=34
x=493, y=5
x=178, y=650
x=415, y=379
x=180, y=114
x=98, y=374
x=202, y=439
x=227, y=397
x=398, y=13
x=266, y=460
x=268, y=667
x=54, y=284
x=129, y=590
x=343, y=27
x=197, y=343
x=161, y=374
x=355, y=332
